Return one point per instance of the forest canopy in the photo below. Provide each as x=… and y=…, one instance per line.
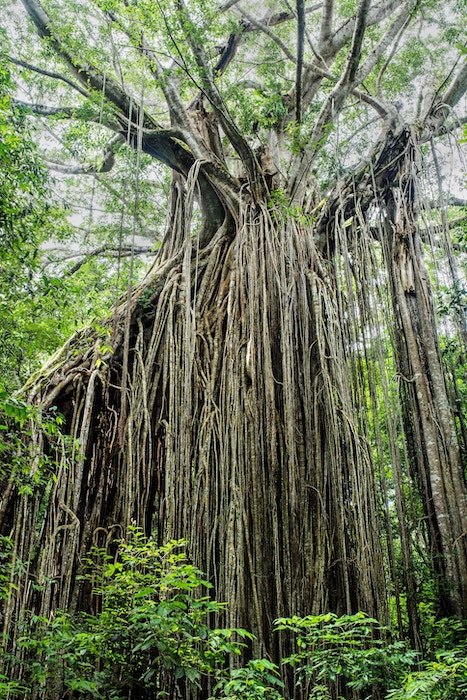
x=241, y=228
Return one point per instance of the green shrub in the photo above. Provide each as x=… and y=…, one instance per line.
x=151, y=637
x=257, y=680
x=443, y=679
x=11, y=689
x=349, y=651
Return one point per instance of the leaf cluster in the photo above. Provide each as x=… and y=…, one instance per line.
x=20, y=464
x=258, y=679
x=443, y=679
x=351, y=649
x=42, y=299
x=152, y=631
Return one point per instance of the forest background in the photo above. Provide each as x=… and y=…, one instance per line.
x=292, y=364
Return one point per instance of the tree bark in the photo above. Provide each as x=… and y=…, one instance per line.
x=430, y=426
x=238, y=437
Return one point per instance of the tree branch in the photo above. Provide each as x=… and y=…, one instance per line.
x=346, y=31
x=65, y=112
x=300, y=50
x=266, y=29
x=109, y=251
x=326, y=22
x=388, y=60
x=457, y=88
x=46, y=110
x=347, y=84
x=314, y=73
x=276, y=18
x=450, y=200
x=391, y=36
x=444, y=129
x=442, y=105
x=186, y=141
x=222, y=113
x=105, y=166
x=337, y=97
x=380, y=107
x=353, y=60
x=49, y=74
x=165, y=145
x=227, y=52
x=176, y=108
x=227, y=5
x=457, y=202
x=86, y=74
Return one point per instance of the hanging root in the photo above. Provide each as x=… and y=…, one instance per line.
x=239, y=436
x=259, y=417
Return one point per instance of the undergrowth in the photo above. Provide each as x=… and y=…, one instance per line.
x=152, y=636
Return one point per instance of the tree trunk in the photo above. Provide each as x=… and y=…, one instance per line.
x=238, y=434
x=429, y=422
x=226, y=414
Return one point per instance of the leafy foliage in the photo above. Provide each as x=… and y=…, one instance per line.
x=443, y=679
x=38, y=308
x=152, y=630
x=11, y=689
x=258, y=679
x=351, y=649
x=23, y=214
x=23, y=466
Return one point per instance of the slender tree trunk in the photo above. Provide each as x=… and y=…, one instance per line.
x=429, y=421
